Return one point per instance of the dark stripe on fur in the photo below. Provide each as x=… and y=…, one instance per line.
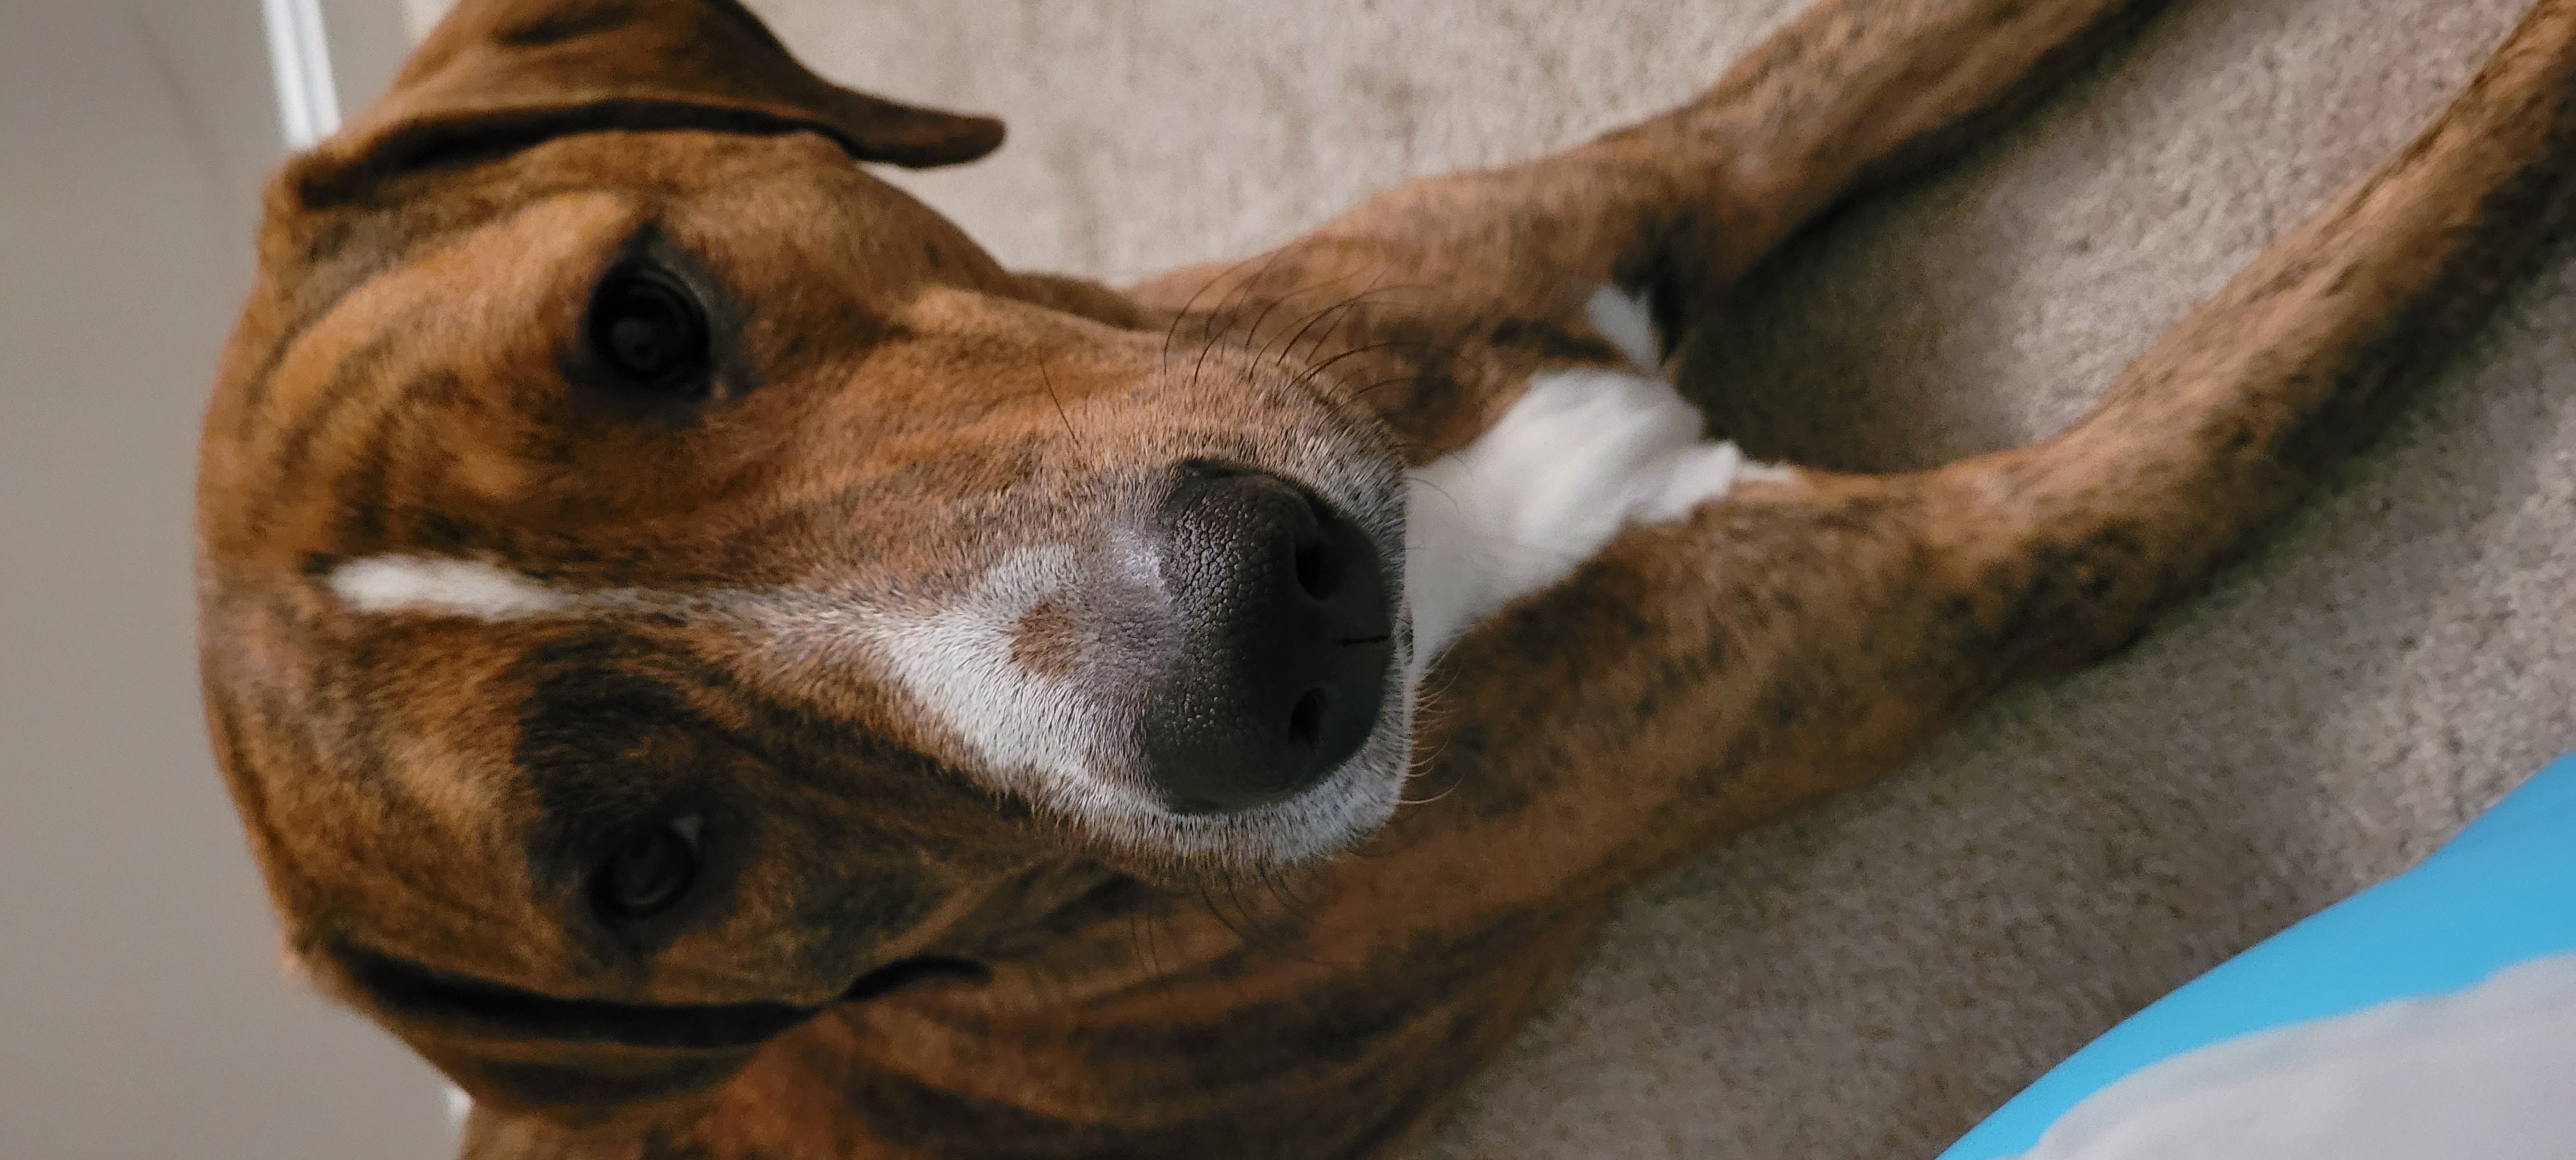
x=411, y=990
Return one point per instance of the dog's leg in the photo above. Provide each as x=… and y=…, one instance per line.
x=1853, y=92
x=1481, y=278
x=2236, y=411
x=1802, y=634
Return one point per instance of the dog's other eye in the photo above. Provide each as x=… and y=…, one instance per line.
x=650, y=872
x=647, y=329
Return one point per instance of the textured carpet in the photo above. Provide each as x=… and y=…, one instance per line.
x=1868, y=978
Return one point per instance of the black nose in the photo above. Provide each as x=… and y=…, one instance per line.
x=1282, y=605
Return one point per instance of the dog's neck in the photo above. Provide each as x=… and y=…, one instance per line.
x=1080, y=1030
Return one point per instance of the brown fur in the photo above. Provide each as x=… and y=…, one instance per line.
x=894, y=410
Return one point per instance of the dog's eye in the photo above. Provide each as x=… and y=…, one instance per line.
x=650, y=872
x=647, y=329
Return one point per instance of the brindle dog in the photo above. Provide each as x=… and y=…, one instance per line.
x=724, y=669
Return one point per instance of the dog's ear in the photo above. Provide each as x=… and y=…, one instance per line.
x=501, y=75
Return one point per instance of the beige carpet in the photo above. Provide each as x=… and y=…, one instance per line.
x=1868, y=979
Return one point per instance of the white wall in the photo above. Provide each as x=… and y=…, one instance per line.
x=142, y=1011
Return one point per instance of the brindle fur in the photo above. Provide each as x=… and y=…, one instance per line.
x=422, y=791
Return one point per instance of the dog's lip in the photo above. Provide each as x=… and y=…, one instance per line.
x=410, y=991
x=912, y=970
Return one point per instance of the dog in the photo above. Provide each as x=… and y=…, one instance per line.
x=722, y=668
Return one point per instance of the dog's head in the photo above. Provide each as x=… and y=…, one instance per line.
x=656, y=577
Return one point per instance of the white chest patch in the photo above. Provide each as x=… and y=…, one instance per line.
x=1579, y=456
x=1629, y=325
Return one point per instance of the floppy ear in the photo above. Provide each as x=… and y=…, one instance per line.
x=501, y=75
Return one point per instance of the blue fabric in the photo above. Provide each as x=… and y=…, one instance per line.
x=2502, y=892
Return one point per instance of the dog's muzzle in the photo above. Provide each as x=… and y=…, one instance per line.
x=1282, y=606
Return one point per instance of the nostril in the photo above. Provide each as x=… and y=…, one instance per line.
x=1306, y=719
x=1316, y=573
x=1279, y=665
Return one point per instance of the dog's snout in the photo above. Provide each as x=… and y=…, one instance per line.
x=1282, y=605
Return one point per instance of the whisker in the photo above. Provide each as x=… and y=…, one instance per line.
x=1252, y=333
x=1284, y=888
x=1347, y=305
x=1184, y=312
x=1207, y=338
x=1307, y=320
x=1209, y=901
x=1422, y=764
x=1362, y=392
x=1277, y=936
x=1140, y=938
x=1060, y=413
x=1308, y=375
